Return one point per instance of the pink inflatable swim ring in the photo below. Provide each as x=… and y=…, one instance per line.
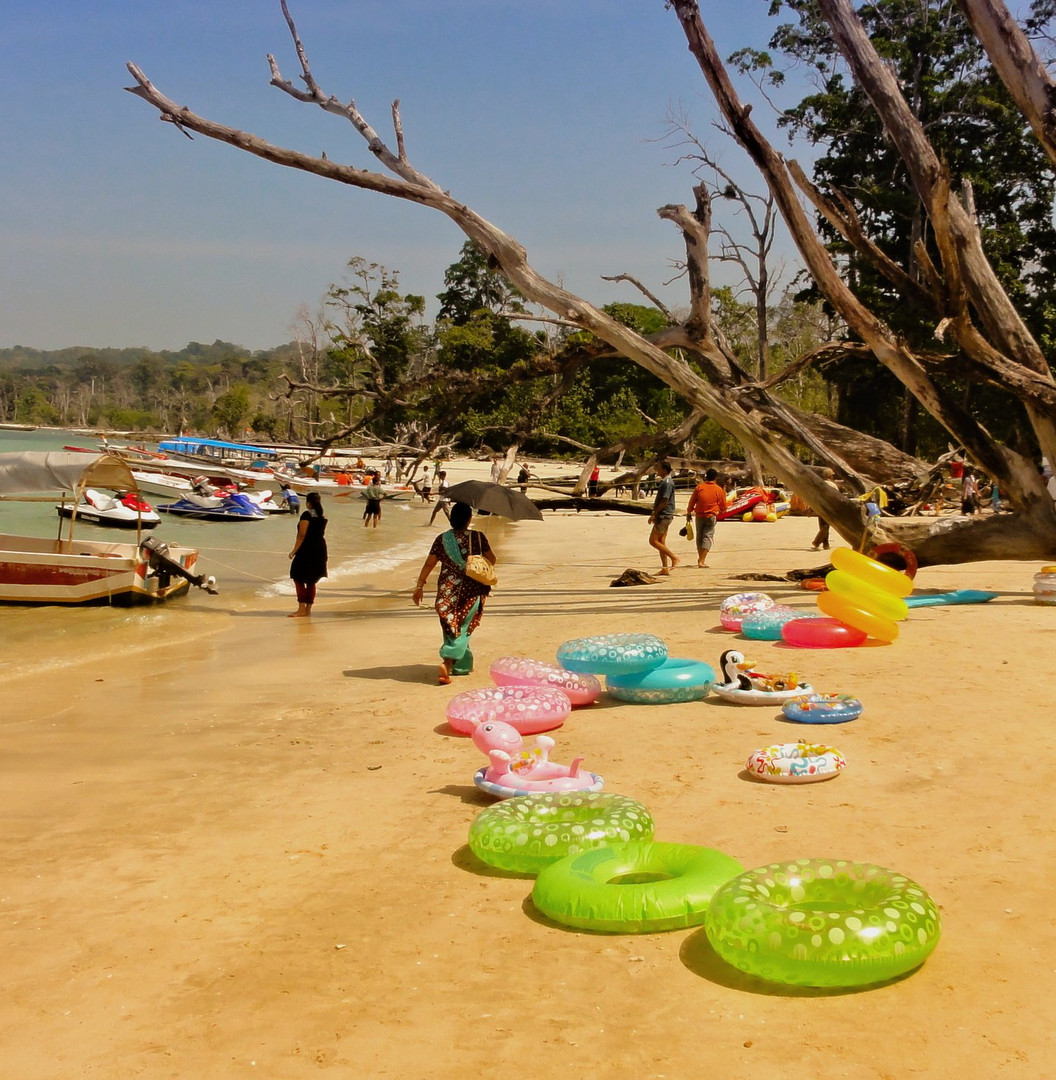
x=529, y=709
x=581, y=688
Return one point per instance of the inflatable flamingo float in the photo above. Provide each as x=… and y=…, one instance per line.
x=517, y=770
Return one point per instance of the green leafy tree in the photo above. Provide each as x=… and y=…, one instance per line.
x=230, y=410
x=983, y=140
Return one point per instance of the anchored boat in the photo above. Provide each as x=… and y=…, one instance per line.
x=69, y=570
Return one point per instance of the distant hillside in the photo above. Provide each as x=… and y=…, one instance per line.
x=26, y=358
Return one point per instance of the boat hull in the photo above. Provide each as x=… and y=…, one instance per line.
x=40, y=571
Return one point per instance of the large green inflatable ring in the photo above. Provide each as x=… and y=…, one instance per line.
x=633, y=888
x=823, y=922
x=532, y=831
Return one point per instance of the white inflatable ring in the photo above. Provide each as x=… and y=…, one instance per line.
x=591, y=782
x=581, y=688
x=796, y=763
x=759, y=697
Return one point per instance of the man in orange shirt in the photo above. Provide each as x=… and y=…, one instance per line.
x=705, y=504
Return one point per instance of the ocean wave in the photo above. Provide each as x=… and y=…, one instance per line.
x=357, y=566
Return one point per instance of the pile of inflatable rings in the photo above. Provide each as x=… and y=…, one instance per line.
x=766, y=625
x=612, y=654
x=865, y=594
x=796, y=763
x=529, y=709
x=734, y=608
x=823, y=922
x=668, y=886
x=822, y=709
x=676, y=679
x=525, y=834
x=582, y=689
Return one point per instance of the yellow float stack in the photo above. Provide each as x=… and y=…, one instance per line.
x=865, y=594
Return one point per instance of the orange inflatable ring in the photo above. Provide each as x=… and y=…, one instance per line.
x=897, y=556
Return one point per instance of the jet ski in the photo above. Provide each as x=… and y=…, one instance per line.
x=223, y=506
x=123, y=509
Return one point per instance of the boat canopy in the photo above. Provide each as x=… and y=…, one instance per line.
x=31, y=471
x=212, y=447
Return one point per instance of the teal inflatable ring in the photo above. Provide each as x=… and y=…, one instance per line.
x=634, y=888
x=676, y=679
x=823, y=922
x=532, y=831
x=612, y=654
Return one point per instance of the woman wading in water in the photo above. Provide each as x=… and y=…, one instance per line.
x=308, y=558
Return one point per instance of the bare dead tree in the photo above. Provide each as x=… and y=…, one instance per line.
x=979, y=315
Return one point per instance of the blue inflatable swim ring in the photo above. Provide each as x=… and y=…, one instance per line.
x=822, y=709
x=766, y=625
x=676, y=679
x=613, y=654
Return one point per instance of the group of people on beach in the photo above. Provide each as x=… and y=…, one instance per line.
x=706, y=502
x=459, y=598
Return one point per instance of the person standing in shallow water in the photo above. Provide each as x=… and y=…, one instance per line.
x=308, y=557
x=373, y=493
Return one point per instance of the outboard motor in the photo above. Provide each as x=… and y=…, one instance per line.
x=164, y=567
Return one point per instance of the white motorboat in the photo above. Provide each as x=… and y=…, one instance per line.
x=70, y=570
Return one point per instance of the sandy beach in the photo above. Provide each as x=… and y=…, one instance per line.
x=236, y=846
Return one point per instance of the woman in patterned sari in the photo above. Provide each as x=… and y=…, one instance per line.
x=459, y=599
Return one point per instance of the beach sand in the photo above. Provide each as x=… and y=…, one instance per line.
x=236, y=846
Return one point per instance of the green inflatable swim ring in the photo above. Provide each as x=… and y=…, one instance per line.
x=823, y=922
x=529, y=832
x=633, y=888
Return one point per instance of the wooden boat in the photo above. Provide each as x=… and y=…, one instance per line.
x=69, y=570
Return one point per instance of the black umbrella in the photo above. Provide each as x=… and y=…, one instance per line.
x=496, y=499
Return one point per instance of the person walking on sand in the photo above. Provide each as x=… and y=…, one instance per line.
x=821, y=537
x=373, y=493
x=592, y=483
x=442, y=501
x=662, y=516
x=459, y=598
x=705, y=504
x=308, y=558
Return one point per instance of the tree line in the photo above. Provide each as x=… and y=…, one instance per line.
x=367, y=364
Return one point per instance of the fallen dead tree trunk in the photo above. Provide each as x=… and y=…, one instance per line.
x=583, y=502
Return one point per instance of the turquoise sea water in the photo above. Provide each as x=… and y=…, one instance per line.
x=249, y=560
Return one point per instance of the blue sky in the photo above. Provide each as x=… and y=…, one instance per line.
x=547, y=117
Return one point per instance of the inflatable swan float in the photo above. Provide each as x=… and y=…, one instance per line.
x=747, y=687
x=515, y=770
